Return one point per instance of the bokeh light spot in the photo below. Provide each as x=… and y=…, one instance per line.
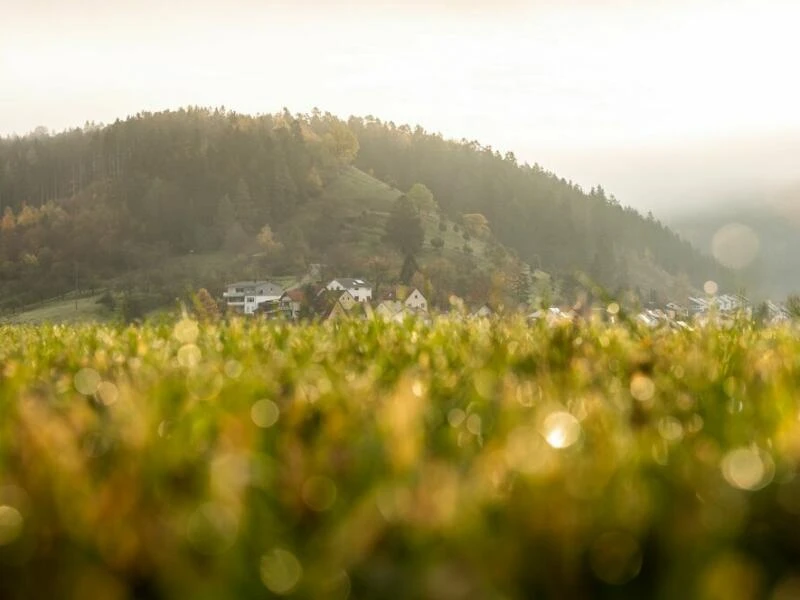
x=670, y=429
x=189, y=356
x=642, y=387
x=455, y=417
x=164, y=429
x=108, y=393
x=474, y=424
x=86, y=381
x=319, y=493
x=186, y=331
x=10, y=524
x=233, y=369
x=732, y=575
x=735, y=245
x=393, y=502
x=747, y=468
x=265, y=413
x=336, y=585
x=212, y=528
x=615, y=557
x=561, y=429
x=280, y=571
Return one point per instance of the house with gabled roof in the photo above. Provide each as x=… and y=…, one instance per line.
x=331, y=304
x=390, y=310
x=404, y=296
x=360, y=289
x=246, y=296
x=484, y=311
x=276, y=309
x=346, y=300
x=296, y=298
x=416, y=301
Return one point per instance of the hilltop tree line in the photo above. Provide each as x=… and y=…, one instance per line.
x=91, y=203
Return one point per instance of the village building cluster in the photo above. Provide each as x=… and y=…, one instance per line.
x=355, y=297
x=339, y=297
x=723, y=308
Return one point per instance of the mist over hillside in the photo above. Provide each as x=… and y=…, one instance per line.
x=677, y=178
x=756, y=233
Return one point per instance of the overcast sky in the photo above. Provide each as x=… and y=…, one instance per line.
x=667, y=103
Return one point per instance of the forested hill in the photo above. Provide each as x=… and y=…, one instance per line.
x=97, y=201
x=547, y=219
x=104, y=200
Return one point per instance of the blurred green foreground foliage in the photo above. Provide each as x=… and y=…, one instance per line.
x=457, y=460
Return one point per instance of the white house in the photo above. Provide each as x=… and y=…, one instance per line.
x=777, y=313
x=698, y=306
x=415, y=300
x=246, y=296
x=734, y=303
x=725, y=303
x=651, y=318
x=359, y=289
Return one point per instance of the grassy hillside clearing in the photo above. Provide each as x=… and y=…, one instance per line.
x=363, y=204
x=67, y=311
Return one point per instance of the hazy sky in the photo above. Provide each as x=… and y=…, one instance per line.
x=665, y=103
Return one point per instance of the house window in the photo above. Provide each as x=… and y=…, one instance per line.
x=250, y=299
